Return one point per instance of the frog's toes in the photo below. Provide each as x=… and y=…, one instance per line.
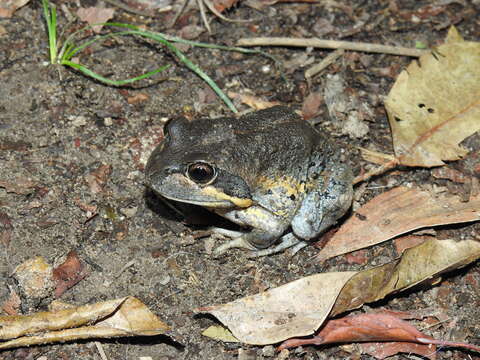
x=239, y=242
x=287, y=241
x=229, y=233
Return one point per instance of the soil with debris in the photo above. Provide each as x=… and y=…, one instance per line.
x=72, y=153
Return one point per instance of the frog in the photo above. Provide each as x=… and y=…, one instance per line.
x=269, y=171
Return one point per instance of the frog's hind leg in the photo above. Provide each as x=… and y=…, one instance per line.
x=251, y=240
x=286, y=241
x=324, y=204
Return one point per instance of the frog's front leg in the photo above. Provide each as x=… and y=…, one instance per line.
x=328, y=199
x=266, y=229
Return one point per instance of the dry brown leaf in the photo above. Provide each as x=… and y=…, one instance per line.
x=294, y=309
x=397, y=212
x=298, y=308
x=448, y=173
x=359, y=328
x=8, y=7
x=382, y=350
x=98, y=178
x=252, y=101
x=417, y=264
x=116, y=318
x=374, y=327
x=406, y=242
x=69, y=273
x=311, y=105
x=375, y=156
x=6, y=229
x=19, y=186
x=12, y=304
x=95, y=15
x=435, y=104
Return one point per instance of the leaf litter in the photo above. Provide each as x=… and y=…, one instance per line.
x=435, y=103
x=299, y=308
x=421, y=141
x=122, y=317
x=397, y=212
x=375, y=327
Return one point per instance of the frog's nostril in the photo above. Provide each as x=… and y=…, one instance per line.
x=171, y=170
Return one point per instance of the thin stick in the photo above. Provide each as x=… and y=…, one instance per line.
x=377, y=171
x=331, y=44
x=128, y=8
x=203, y=15
x=99, y=346
x=329, y=59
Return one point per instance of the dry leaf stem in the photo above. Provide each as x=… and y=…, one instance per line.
x=392, y=164
x=330, y=44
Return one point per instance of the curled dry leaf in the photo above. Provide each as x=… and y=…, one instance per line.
x=116, y=318
x=435, y=103
x=360, y=328
x=374, y=327
x=300, y=307
x=397, y=212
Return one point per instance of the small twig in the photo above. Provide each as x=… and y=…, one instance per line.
x=210, y=6
x=203, y=15
x=377, y=171
x=315, y=69
x=177, y=15
x=128, y=8
x=99, y=346
x=331, y=44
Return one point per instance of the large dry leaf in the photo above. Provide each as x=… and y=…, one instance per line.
x=300, y=307
x=375, y=327
x=417, y=264
x=362, y=328
x=435, y=103
x=294, y=309
x=121, y=317
x=396, y=212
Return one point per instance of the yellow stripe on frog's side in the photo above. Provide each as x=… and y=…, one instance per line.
x=217, y=194
x=289, y=185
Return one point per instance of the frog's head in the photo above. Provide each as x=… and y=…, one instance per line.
x=189, y=166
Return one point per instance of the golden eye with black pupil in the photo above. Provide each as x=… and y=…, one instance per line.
x=201, y=173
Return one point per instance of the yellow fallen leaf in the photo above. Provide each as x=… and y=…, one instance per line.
x=397, y=212
x=435, y=103
x=300, y=307
x=115, y=318
x=219, y=333
x=417, y=264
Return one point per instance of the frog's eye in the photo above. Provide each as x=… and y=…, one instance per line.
x=201, y=173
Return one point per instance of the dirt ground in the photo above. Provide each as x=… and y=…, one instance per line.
x=75, y=150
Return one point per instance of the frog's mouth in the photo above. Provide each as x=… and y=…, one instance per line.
x=179, y=188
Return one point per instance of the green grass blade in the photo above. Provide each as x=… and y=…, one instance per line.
x=189, y=64
x=105, y=80
x=50, y=14
x=134, y=30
